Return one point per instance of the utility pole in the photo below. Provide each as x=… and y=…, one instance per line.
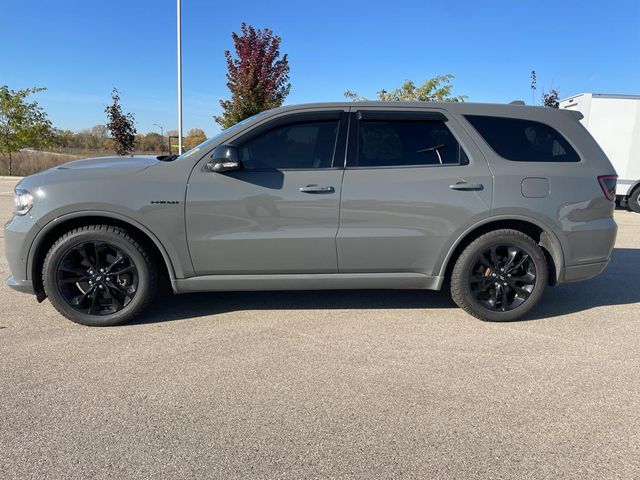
x=161, y=129
x=161, y=135
x=179, y=17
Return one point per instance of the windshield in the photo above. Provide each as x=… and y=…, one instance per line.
x=204, y=145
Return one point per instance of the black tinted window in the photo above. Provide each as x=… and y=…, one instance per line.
x=523, y=140
x=299, y=145
x=407, y=142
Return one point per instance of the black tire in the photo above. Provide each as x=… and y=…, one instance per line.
x=130, y=290
x=634, y=200
x=522, y=289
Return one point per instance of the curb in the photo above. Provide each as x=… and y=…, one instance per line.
x=7, y=177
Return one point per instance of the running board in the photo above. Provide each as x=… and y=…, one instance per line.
x=304, y=281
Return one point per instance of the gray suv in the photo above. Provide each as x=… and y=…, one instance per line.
x=497, y=201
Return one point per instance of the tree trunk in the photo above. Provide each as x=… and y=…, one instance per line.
x=9, y=163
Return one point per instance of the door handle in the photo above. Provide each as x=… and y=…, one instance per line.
x=466, y=186
x=316, y=189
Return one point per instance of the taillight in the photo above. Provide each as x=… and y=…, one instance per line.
x=608, y=185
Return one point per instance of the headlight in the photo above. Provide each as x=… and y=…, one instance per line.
x=23, y=200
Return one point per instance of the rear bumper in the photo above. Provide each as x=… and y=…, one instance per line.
x=577, y=273
x=24, y=286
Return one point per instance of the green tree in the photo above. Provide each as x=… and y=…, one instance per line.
x=121, y=126
x=195, y=136
x=436, y=89
x=258, y=77
x=22, y=123
x=551, y=99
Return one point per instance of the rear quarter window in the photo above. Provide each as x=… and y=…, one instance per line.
x=523, y=140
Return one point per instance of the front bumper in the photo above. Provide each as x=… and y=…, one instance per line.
x=24, y=286
x=19, y=234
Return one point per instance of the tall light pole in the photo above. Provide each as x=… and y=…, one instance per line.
x=179, y=16
x=161, y=129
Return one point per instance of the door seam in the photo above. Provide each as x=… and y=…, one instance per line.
x=344, y=169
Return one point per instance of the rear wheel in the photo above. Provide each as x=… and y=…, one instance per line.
x=99, y=275
x=634, y=200
x=500, y=276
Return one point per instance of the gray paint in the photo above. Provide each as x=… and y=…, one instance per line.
x=380, y=227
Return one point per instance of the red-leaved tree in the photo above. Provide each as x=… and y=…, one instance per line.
x=258, y=77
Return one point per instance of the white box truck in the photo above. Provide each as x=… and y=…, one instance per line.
x=614, y=121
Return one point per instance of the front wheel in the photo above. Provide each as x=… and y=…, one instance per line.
x=99, y=275
x=500, y=276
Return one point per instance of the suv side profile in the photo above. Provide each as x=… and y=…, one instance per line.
x=498, y=200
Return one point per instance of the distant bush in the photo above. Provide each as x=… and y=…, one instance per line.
x=30, y=162
x=27, y=163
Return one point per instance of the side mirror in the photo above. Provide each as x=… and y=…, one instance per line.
x=224, y=159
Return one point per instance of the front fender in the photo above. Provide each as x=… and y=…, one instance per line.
x=174, y=268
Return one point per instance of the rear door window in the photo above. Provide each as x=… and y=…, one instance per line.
x=389, y=143
x=523, y=140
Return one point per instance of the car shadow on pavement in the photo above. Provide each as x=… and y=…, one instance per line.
x=617, y=285
x=192, y=305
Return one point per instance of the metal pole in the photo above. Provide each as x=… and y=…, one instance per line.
x=179, y=15
x=161, y=135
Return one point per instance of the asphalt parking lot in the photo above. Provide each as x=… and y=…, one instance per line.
x=383, y=384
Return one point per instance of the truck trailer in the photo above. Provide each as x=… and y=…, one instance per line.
x=614, y=121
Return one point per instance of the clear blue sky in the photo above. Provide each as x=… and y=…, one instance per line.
x=79, y=50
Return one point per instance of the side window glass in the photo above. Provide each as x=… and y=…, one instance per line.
x=523, y=140
x=407, y=142
x=298, y=145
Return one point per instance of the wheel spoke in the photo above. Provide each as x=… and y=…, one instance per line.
x=94, y=298
x=117, y=288
x=116, y=261
x=74, y=270
x=86, y=288
x=79, y=299
x=528, y=278
x=504, y=299
x=70, y=280
x=124, y=270
x=101, y=256
x=494, y=256
x=511, y=281
x=512, y=254
x=115, y=301
x=481, y=288
x=522, y=293
x=523, y=259
x=494, y=298
x=485, y=262
x=478, y=278
x=85, y=252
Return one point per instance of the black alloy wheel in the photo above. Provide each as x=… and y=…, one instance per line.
x=502, y=277
x=97, y=278
x=100, y=275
